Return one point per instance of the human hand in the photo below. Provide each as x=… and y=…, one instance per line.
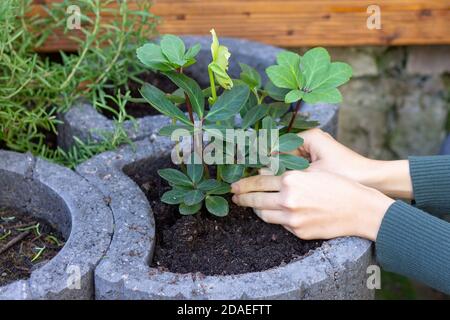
x=314, y=204
x=325, y=153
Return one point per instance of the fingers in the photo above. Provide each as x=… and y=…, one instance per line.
x=257, y=183
x=273, y=216
x=258, y=200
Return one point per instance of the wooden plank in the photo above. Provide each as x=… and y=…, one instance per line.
x=300, y=22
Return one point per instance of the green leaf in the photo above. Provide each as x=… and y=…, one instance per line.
x=174, y=196
x=250, y=76
x=189, y=210
x=221, y=76
x=292, y=61
x=275, y=92
x=323, y=95
x=207, y=185
x=228, y=104
x=192, y=52
x=251, y=102
x=254, y=114
x=173, y=48
x=193, y=197
x=293, y=162
x=218, y=206
x=192, y=89
x=338, y=74
x=315, y=64
x=159, y=101
x=224, y=188
x=195, y=172
x=293, y=96
x=289, y=142
x=168, y=130
x=232, y=172
x=278, y=109
x=268, y=123
x=151, y=56
x=175, y=177
x=282, y=77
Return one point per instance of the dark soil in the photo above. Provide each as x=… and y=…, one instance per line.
x=238, y=243
x=138, y=109
x=17, y=262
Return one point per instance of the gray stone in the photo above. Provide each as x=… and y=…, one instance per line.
x=76, y=208
x=84, y=122
x=428, y=60
x=363, y=62
x=336, y=270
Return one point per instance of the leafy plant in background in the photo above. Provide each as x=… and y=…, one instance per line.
x=311, y=78
x=34, y=89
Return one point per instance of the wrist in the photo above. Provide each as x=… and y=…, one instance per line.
x=374, y=206
x=389, y=177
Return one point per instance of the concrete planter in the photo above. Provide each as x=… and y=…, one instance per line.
x=67, y=201
x=336, y=270
x=84, y=122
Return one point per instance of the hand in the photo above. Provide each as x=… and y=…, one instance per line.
x=314, y=204
x=325, y=153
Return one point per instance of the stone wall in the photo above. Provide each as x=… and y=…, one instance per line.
x=398, y=101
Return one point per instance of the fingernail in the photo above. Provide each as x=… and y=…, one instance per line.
x=234, y=188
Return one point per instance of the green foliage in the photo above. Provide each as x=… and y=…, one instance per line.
x=34, y=89
x=312, y=78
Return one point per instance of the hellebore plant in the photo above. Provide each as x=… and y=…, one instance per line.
x=262, y=109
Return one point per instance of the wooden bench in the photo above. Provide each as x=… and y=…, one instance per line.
x=294, y=23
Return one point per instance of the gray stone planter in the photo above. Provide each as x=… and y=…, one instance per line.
x=77, y=209
x=336, y=270
x=84, y=122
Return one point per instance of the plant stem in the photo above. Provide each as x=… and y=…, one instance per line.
x=297, y=108
x=213, y=85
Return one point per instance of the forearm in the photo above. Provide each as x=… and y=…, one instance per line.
x=415, y=244
x=390, y=177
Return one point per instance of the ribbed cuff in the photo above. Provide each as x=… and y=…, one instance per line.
x=431, y=183
x=415, y=244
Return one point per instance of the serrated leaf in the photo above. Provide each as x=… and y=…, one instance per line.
x=193, y=197
x=174, y=196
x=250, y=76
x=192, y=89
x=232, y=172
x=151, y=56
x=254, y=114
x=218, y=206
x=289, y=142
x=173, y=49
x=275, y=92
x=293, y=162
x=159, y=101
x=293, y=96
x=175, y=177
x=228, y=104
x=315, y=63
x=186, y=210
x=281, y=76
x=323, y=95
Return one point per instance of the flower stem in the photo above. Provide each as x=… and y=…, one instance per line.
x=213, y=85
x=294, y=115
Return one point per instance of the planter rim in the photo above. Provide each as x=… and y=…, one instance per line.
x=91, y=225
x=133, y=278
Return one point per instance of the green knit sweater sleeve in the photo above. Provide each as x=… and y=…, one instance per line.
x=416, y=244
x=431, y=183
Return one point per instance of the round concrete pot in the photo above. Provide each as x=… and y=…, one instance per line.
x=84, y=122
x=336, y=270
x=74, y=207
